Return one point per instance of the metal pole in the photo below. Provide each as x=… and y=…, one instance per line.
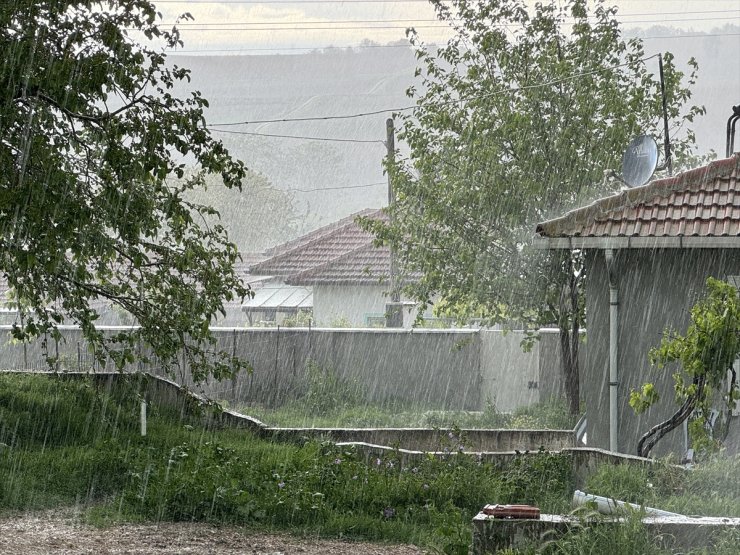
x=667, y=140
x=613, y=351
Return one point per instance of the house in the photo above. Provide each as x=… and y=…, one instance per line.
x=648, y=253
x=335, y=272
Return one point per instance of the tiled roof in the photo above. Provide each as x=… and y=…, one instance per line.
x=365, y=265
x=701, y=203
x=317, y=248
x=318, y=233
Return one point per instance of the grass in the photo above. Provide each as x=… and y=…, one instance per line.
x=68, y=442
x=711, y=489
x=328, y=401
x=552, y=416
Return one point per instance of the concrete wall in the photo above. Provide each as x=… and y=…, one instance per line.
x=351, y=303
x=439, y=369
x=657, y=289
x=359, y=306
x=510, y=377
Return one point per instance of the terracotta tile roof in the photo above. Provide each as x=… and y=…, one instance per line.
x=704, y=202
x=318, y=233
x=366, y=265
x=318, y=248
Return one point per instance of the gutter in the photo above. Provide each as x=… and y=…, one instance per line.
x=677, y=242
x=613, y=350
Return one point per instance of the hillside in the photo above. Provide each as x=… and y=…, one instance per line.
x=339, y=82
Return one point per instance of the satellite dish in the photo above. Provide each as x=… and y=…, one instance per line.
x=639, y=161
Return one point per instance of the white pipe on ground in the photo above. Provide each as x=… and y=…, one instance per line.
x=613, y=351
x=607, y=506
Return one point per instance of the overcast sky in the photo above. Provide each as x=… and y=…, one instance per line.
x=251, y=27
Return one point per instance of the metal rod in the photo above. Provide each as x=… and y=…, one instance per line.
x=730, y=146
x=667, y=140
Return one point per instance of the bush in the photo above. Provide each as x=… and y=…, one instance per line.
x=327, y=392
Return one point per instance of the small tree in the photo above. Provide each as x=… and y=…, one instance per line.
x=705, y=354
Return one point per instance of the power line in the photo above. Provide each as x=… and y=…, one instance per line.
x=690, y=36
x=332, y=25
x=304, y=137
x=339, y=188
x=292, y=1
x=309, y=22
x=316, y=118
x=644, y=14
x=309, y=48
x=329, y=26
x=432, y=45
x=406, y=108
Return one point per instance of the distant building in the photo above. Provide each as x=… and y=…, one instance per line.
x=335, y=272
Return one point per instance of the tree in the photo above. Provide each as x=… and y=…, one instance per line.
x=517, y=119
x=89, y=133
x=256, y=216
x=706, y=355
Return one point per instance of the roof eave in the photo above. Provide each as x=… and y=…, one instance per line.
x=678, y=242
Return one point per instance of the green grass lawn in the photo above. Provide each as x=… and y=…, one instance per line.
x=65, y=442
x=298, y=414
x=328, y=401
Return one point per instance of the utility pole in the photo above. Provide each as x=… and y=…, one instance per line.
x=393, y=309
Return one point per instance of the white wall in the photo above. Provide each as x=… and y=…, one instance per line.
x=350, y=302
x=510, y=377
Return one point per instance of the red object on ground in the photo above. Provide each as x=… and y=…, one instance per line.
x=512, y=511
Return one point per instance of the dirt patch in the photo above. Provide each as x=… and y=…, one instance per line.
x=61, y=532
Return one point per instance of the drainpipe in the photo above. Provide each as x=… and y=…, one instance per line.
x=613, y=352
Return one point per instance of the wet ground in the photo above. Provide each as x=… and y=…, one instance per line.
x=61, y=532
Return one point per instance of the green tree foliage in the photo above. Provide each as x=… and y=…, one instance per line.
x=89, y=132
x=705, y=355
x=517, y=119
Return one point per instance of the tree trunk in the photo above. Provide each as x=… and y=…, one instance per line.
x=570, y=371
x=569, y=329
x=656, y=433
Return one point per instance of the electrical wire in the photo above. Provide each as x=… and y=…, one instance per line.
x=304, y=48
x=292, y=1
x=431, y=45
x=332, y=25
x=339, y=188
x=406, y=108
x=348, y=21
x=304, y=137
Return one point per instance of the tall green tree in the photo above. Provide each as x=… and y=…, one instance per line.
x=517, y=119
x=89, y=133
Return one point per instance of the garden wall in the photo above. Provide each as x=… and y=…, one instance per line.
x=458, y=369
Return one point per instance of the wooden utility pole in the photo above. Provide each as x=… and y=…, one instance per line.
x=393, y=310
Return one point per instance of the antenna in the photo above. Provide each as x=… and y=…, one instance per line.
x=639, y=161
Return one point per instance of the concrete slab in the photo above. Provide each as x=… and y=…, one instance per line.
x=492, y=534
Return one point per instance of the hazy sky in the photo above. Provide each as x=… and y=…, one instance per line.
x=267, y=26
